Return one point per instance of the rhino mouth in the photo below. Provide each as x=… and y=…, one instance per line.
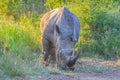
x=68, y=61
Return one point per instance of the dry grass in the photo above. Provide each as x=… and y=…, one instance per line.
x=95, y=65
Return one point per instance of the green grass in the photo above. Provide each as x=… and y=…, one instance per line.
x=12, y=65
x=20, y=51
x=20, y=38
x=19, y=46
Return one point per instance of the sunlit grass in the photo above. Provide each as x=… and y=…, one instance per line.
x=20, y=50
x=90, y=65
x=19, y=47
x=20, y=38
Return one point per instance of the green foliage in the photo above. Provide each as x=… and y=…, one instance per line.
x=105, y=29
x=18, y=8
x=20, y=39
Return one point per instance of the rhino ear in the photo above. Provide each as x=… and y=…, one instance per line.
x=57, y=29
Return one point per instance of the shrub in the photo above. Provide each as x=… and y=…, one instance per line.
x=105, y=33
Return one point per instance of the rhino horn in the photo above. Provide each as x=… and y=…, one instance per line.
x=72, y=60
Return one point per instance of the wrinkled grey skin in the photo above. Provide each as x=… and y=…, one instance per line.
x=60, y=31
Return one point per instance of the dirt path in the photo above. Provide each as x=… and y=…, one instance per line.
x=111, y=75
x=88, y=69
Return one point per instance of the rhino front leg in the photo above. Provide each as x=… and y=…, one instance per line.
x=45, y=45
x=60, y=63
x=45, y=58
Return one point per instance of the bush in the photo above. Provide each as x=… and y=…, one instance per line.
x=105, y=33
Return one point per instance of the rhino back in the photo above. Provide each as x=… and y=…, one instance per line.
x=47, y=24
x=68, y=24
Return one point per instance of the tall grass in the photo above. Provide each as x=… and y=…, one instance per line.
x=22, y=39
x=20, y=36
x=19, y=46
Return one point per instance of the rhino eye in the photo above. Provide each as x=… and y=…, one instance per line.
x=57, y=29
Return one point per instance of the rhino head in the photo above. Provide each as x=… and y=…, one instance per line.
x=66, y=34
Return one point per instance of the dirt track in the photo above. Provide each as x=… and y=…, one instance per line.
x=111, y=75
x=89, y=69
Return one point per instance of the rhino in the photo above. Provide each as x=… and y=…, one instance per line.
x=60, y=30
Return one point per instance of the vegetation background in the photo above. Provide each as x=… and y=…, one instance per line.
x=20, y=36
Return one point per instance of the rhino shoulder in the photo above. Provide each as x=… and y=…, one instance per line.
x=48, y=20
